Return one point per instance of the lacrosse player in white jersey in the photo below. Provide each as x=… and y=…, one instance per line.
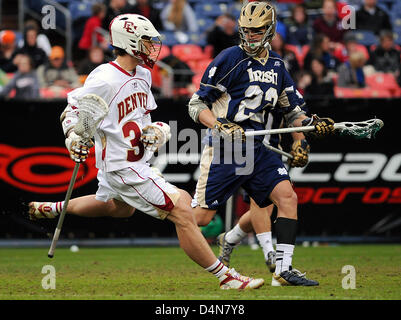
x=126, y=139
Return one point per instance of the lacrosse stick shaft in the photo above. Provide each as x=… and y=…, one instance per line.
x=286, y=154
x=278, y=131
x=62, y=214
x=286, y=130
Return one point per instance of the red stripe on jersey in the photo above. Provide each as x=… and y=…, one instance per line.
x=168, y=206
x=122, y=70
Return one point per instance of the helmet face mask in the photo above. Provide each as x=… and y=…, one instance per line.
x=256, y=18
x=137, y=36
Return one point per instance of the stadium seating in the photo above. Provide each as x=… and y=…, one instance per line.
x=367, y=38
x=209, y=10
x=205, y=23
x=80, y=9
x=361, y=93
x=164, y=52
x=384, y=81
x=187, y=52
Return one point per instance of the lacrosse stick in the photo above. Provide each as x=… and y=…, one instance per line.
x=92, y=110
x=357, y=130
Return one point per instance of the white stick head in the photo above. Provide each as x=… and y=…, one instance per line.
x=92, y=109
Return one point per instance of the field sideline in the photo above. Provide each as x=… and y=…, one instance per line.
x=168, y=274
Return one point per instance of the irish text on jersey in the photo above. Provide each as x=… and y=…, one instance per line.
x=262, y=76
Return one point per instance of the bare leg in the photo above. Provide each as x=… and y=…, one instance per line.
x=88, y=206
x=203, y=216
x=191, y=239
x=284, y=197
x=260, y=217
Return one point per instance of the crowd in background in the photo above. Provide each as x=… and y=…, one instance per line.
x=318, y=52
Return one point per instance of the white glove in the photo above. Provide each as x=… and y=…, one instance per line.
x=155, y=135
x=78, y=147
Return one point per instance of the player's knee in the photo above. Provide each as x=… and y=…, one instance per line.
x=288, y=200
x=203, y=216
x=119, y=209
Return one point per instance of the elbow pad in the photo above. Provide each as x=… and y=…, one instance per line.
x=195, y=106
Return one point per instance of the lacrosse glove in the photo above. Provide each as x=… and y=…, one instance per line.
x=78, y=147
x=155, y=135
x=323, y=126
x=228, y=130
x=300, y=150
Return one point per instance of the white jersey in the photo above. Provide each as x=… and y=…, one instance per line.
x=130, y=100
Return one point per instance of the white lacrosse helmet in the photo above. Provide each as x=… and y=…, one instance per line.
x=137, y=36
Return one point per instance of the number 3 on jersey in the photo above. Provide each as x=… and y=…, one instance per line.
x=131, y=130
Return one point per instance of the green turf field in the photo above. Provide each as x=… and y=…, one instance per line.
x=167, y=274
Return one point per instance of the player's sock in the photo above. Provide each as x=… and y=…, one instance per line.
x=57, y=207
x=265, y=241
x=284, y=254
x=217, y=268
x=286, y=230
x=235, y=235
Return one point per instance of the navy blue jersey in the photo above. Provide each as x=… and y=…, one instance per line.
x=245, y=90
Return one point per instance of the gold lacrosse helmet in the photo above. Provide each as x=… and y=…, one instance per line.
x=257, y=15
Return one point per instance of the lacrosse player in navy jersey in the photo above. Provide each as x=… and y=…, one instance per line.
x=258, y=219
x=238, y=90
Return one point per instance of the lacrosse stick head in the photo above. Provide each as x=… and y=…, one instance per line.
x=360, y=130
x=92, y=109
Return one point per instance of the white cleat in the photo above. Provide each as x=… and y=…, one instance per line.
x=40, y=210
x=233, y=280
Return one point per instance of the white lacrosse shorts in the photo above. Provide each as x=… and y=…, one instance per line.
x=141, y=188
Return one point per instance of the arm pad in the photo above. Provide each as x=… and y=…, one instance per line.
x=69, y=119
x=293, y=115
x=195, y=106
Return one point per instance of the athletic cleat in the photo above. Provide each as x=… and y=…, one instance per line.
x=225, y=249
x=292, y=277
x=40, y=210
x=233, y=280
x=271, y=261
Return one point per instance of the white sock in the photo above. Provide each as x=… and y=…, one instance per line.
x=57, y=207
x=284, y=254
x=265, y=241
x=235, y=235
x=217, y=268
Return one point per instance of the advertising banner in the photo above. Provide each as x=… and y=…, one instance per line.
x=349, y=187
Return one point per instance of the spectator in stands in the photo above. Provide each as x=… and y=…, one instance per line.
x=144, y=8
x=329, y=24
x=42, y=40
x=289, y=58
x=350, y=73
x=25, y=81
x=320, y=49
x=31, y=48
x=115, y=8
x=351, y=44
x=94, y=59
x=370, y=17
x=299, y=31
x=303, y=79
x=93, y=23
x=7, y=49
x=223, y=34
x=56, y=74
x=178, y=15
x=386, y=57
x=321, y=84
